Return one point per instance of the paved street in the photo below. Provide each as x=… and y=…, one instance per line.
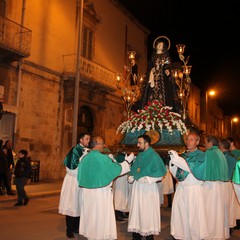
x=39, y=220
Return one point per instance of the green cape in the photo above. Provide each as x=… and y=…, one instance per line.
x=236, y=153
x=196, y=162
x=72, y=159
x=236, y=173
x=120, y=157
x=148, y=163
x=231, y=162
x=216, y=165
x=97, y=170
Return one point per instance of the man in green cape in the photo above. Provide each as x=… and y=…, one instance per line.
x=70, y=192
x=215, y=189
x=147, y=169
x=96, y=172
x=188, y=218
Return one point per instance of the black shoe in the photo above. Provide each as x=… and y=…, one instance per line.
x=10, y=193
x=18, y=204
x=124, y=215
x=2, y=193
x=119, y=219
x=26, y=201
x=70, y=235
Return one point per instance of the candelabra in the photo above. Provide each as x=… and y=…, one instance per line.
x=130, y=83
x=183, y=80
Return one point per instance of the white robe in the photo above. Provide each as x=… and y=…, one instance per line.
x=188, y=217
x=217, y=209
x=232, y=204
x=97, y=212
x=69, y=203
x=122, y=191
x=237, y=191
x=144, y=214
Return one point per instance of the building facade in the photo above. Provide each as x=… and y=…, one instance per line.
x=38, y=73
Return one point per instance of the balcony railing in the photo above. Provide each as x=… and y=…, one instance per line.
x=89, y=70
x=15, y=40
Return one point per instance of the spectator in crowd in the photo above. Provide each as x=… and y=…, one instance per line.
x=10, y=165
x=22, y=173
x=3, y=169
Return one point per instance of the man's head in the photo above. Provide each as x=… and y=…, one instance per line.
x=84, y=139
x=8, y=143
x=224, y=145
x=144, y=142
x=97, y=143
x=23, y=153
x=192, y=141
x=210, y=141
x=232, y=143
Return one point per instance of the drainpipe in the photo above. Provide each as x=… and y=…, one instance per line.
x=77, y=76
x=20, y=62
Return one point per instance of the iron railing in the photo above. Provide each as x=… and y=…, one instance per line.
x=14, y=37
x=89, y=70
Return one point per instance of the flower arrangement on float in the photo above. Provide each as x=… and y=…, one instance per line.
x=154, y=116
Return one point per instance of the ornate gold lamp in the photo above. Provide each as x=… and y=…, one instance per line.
x=183, y=80
x=130, y=83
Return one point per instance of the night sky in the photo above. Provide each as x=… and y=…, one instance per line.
x=210, y=31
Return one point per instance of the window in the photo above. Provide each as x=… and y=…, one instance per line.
x=87, y=50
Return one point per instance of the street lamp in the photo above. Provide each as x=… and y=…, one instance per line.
x=208, y=93
x=233, y=120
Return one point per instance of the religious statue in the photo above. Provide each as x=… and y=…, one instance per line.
x=160, y=84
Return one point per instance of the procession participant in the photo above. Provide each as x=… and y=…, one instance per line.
x=146, y=171
x=69, y=196
x=96, y=173
x=188, y=216
x=216, y=180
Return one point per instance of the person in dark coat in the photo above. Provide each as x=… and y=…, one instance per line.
x=10, y=165
x=22, y=172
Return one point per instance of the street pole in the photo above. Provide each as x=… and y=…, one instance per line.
x=206, y=110
x=77, y=76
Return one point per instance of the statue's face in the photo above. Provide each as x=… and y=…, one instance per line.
x=159, y=46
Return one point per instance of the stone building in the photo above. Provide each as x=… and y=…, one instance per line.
x=39, y=55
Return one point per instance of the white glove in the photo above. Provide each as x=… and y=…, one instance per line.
x=130, y=179
x=172, y=153
x=143, y=180
x=85, y=152
x=112, y=157
x=129, y=158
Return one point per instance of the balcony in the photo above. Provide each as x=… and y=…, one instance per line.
x=15, y=40
x=90, y=72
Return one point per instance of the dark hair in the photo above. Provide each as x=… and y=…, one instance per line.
x=146, y=138
x=225, y=143
x=24, y=152
x=230, y=139
x=81, y=135
x=213, y=139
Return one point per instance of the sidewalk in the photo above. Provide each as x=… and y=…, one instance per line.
x=36, y=189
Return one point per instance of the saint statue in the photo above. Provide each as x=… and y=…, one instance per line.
x=160, y=83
